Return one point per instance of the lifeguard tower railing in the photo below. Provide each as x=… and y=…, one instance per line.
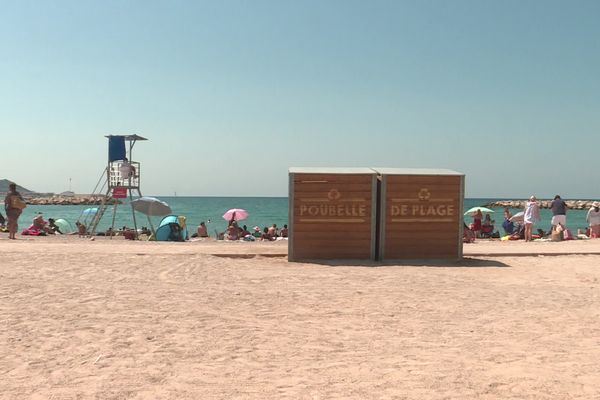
x=124, y=174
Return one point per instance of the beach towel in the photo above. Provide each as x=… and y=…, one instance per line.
x=568, y=235
x=31, y=231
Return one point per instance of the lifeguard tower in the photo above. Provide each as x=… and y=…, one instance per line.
x=122, y=179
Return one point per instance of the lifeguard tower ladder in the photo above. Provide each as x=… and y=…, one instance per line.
x=122, y=179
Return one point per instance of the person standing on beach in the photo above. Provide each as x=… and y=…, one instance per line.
x=530, y=217
x=559, y=212
x=13, y=205
x=476, y=225
x=593, y=218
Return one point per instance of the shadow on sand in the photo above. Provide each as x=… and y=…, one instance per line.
x=467, y=262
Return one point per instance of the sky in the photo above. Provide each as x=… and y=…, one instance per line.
x=231, y=94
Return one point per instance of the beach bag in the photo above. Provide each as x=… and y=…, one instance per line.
x=556, y=236
x=17, y=202
x=557, y=233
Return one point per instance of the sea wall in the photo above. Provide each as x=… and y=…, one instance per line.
x=572, y=204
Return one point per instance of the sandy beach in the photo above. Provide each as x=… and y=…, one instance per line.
x=102, y=319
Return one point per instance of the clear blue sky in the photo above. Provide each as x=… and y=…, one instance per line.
x=232, y=93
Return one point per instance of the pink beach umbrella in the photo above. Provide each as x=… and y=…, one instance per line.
x=237, y=214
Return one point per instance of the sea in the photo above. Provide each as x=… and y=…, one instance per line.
x=264, y=211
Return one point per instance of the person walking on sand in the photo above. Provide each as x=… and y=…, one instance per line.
x=530, y=217
x=559, y=212
x=13, y=205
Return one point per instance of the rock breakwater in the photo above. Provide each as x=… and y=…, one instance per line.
x=67, y=201
x=572, y=204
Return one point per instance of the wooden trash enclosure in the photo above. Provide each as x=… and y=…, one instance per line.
x=421, y=214
x=332, y=213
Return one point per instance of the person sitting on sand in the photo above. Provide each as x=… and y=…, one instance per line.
x=38, y=222
x=284, y=231
x=518, y=233
x=53, y=227
x=38, y=227
x=468, y=234
x=273, y=231
x=266, y=235
x=487, y=228
x=508, y=225
x=232, y=233
x=256, y=232
x=593, y=218
x=202, y=230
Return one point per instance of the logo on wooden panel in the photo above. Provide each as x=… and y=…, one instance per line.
x=333, y=207
x=424, y=207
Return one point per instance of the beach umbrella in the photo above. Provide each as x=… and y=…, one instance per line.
x=151, y=206
x=473, y=210
x=90, y=211
x=64, y=225
x=518, y=217
x=236, y=214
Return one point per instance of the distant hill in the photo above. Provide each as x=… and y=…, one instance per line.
x=4, y=187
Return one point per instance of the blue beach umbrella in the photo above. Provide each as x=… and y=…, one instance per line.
x=64, y=225
x=90, y=211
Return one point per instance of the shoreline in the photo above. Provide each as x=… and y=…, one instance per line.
x=88, y=199
x=72, y=244
x=545, y=204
